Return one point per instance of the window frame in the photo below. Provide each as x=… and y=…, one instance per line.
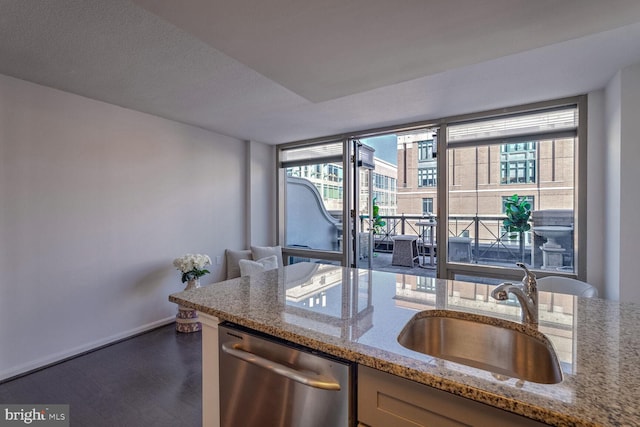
x=440, y=126
x=450, y=270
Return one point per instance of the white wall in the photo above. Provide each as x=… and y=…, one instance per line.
x=262, y=190
x=629, y=179
x=95, y=202
x=596, y=151
x=622, y=198
x=611, y=198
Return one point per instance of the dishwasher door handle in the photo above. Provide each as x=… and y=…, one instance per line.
x=307, y=378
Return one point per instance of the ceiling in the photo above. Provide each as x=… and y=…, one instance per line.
x=283, y=70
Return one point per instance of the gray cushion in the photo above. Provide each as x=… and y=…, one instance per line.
x=233, y=258
x=260, y=252
x=248, y=268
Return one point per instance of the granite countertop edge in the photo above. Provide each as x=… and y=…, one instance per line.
x=529, y=410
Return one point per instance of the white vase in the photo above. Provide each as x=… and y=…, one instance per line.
x=192, y=284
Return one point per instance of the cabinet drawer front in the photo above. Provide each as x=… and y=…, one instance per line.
x=387, y=400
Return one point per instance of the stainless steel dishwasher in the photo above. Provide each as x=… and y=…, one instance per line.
x=268, y=382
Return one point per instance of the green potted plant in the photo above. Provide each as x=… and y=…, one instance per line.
x=518, y=211
x=378, y=223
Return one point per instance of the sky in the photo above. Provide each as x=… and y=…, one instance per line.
x=386, y=147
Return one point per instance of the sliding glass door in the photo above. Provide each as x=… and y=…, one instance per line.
x=312, y=188
x=326, y=204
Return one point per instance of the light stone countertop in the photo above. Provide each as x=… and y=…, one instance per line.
x=358, y=314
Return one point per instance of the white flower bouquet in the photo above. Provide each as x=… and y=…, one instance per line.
x=192, y=266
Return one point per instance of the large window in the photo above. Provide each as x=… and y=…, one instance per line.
x=313, y=187
x=482, y=158
x=529, y=154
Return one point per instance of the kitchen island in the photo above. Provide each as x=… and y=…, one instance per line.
x=357, y=315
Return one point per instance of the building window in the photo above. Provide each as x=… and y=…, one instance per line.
x=380, y=181
x=330, y=191
x=518, y=163
x=333, y=173
x=427, y=177
x=427, y=205
x=425, y=150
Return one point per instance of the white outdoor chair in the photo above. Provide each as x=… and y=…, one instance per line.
x=565, y=285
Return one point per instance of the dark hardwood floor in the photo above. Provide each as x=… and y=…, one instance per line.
x=153, y=379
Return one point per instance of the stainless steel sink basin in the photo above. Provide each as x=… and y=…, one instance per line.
x=495, y=345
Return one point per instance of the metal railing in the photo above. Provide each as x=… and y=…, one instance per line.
x=491, y=242
x=488, y=239
x=395, y=225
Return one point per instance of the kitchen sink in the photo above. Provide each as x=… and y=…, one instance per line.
x=499, y=346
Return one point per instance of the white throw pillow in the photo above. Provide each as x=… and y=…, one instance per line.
x=247, y=267
x=260, y=252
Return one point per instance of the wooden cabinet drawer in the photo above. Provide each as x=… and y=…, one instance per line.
x=385, y=400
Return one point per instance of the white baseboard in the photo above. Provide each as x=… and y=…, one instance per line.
x=58, y=357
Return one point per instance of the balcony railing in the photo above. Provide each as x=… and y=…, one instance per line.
x=488, y=240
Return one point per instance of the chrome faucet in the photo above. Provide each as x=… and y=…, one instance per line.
x=527, y=295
